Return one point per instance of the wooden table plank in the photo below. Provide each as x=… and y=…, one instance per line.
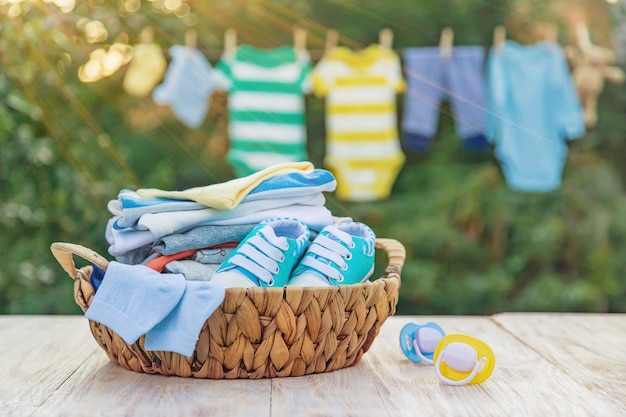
x=547, y=365
x=100, y=387
x=346, y=392
x=6, y=324
x=522, y=384
x=590, y=348
x=37, y=355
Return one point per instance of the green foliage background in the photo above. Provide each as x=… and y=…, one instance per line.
x=473, y=245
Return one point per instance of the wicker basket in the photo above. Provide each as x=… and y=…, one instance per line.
x=259, y=332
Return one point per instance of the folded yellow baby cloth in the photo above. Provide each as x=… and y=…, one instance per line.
x=227, y=195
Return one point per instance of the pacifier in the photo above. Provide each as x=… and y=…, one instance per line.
x=461, y=359
x=418, y=342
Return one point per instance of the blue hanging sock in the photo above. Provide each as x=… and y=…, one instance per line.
x=187, y=85
x=418, y=341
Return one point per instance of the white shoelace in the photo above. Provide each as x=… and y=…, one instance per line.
x=328, y=249
x=262, y=254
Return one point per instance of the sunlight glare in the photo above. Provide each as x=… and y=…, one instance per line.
x=111, y=63
x=183, y=10
x=95, y=31
x=171, y=5
x=15, y=10
x=90, y=72
x=103, y=63
x=66, y=6
x=98, y=55
x=130, y=6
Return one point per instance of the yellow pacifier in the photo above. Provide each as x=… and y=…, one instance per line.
x=461, y=359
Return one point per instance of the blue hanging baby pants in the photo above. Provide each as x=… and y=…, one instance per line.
x=433, y=78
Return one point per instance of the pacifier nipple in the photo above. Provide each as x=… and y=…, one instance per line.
x=427, y=339
x=460, y=357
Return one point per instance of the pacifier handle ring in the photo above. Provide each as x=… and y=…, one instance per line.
x=479, y=364
x=418, y=352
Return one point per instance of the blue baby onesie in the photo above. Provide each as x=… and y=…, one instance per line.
x=534, y=110
x=187, y=85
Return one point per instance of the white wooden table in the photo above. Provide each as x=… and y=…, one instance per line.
x=546, y=365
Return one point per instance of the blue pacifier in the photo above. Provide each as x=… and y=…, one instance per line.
x=418, y=341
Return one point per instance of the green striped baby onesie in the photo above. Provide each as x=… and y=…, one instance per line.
x=266, y=120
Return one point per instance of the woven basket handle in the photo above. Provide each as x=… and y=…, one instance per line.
x=63, y=252
x=396, y=254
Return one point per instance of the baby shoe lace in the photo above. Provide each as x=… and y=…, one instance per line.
x=263, y=252
x=328, y=249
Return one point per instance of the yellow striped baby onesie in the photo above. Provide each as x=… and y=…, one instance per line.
x=362, y=146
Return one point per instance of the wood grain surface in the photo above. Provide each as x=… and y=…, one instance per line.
x=546, y=365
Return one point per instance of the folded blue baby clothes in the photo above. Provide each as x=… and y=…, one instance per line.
x=199, y=237
x=285, y=190
x=156, y=226
x=433, y=78
x=187, y=85
x=202, y=237
x=122, y=241
x=192, y=270
x=179, y=331
x=132, y=299
x=293, y=184
x=162, y=224
x=534, y=110
x=129, y=206
x=213, y=256
x=275, y=182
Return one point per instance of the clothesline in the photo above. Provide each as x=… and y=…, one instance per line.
x=333, y=38
x=266, y=109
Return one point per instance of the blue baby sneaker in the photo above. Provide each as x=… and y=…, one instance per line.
x=341, y=254
x=266, y=256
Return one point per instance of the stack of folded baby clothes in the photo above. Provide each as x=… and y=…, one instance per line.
x=177, y=251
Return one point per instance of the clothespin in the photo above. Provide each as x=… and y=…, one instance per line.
x=191, y=39
x=146, y=35
x=332, y=38
x=445, y=42
x=299, y=39
x=551, y=32
x=385, y=38
x=583, y=38
x=230, y=40
x=499, y=36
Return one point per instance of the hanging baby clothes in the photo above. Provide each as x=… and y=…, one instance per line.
x=362, y=145
x=187, y=85
x=534, y=109
x=145, y=70
x=432, y=78
x=266, y=90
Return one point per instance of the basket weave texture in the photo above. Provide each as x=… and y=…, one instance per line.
x=260, y=332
